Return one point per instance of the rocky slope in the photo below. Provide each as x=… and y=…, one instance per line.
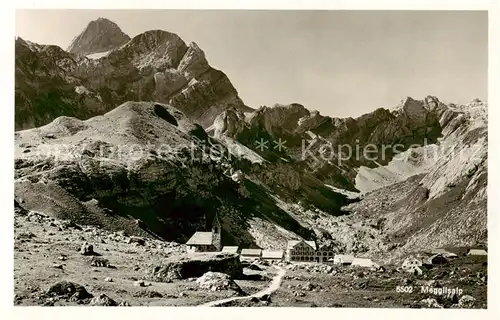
x=444, y=205
x=50, y=270
x=428, y=188
x=153, y=66
x=145, y=168
x=461, y=147
x=333, y=148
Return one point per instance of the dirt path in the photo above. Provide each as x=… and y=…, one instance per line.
x=275, y=284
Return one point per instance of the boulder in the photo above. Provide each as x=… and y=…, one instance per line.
x=466, y=302
x=237, y=176
x=299, y=294
x=100, y=262
x=140, y=241
x=216, y=281
x=102, y=300
x=308, y=286
x=188, y=266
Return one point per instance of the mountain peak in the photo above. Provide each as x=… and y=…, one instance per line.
x=99, y=35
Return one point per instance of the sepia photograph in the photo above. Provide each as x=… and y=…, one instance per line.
x=251, y=158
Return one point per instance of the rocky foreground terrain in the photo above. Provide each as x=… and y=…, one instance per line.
x=140, y=138
x=58, y=263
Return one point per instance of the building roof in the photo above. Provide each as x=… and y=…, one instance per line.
x=251, y=252
x=200, y=238
x=478, y=252
x=344, y=257
x=230, y=249
x=363, y=262
x=292, y=243
x=272, y=254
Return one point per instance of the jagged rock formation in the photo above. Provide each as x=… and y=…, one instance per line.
x=153, y=66
x=147, y=161
x=99, y=36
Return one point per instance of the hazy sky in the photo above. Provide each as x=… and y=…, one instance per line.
x=342, y=63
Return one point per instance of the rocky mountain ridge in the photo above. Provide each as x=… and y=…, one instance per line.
x=147, y=161
x=428, y=193
x=99, y=36
x=153, y=66
x=286, y=171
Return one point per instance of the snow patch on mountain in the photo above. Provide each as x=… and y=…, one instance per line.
x=98, y=55
x=347, y=193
